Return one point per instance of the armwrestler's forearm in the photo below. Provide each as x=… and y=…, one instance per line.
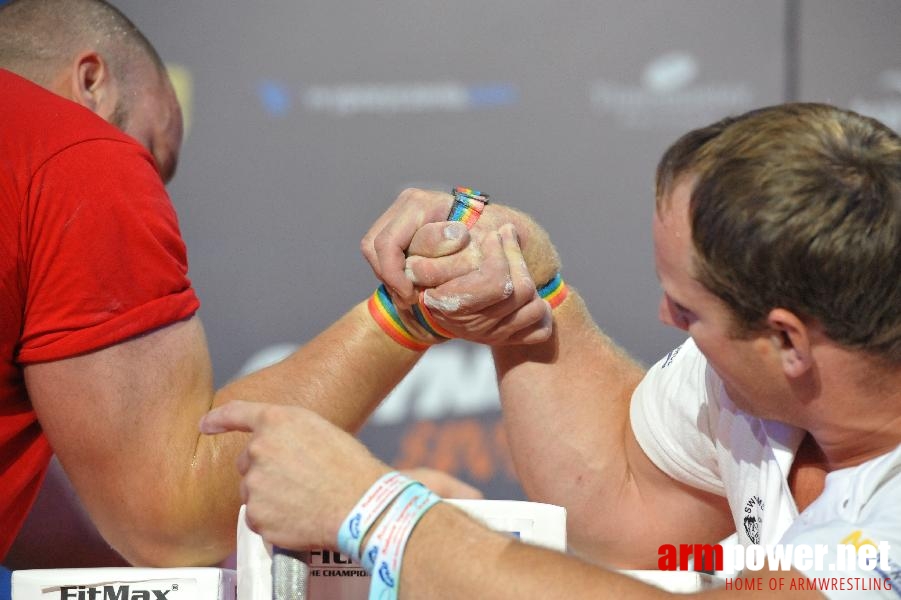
x=342, y=374
x=566, y=403
x=450, y=556
x=566, y=411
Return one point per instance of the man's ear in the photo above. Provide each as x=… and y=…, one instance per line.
x=92, y=85
x=791, y=338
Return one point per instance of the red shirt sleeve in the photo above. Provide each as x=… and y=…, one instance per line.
x=102, y=256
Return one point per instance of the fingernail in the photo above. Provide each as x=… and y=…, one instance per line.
x=408, y=270
x=454, y=231
x=547, y=321
x=208, y=429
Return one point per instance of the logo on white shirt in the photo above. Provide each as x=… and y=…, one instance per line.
x=753, y=520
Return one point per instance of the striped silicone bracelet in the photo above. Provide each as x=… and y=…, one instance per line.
x=382, y=309
x=554, y=291
x=425, y=318
x=373, y=503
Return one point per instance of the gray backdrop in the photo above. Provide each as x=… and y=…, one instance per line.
x=307, y=118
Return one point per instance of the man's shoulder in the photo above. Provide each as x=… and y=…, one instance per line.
x=39, y=123
x=684, y=372
x=877, y=484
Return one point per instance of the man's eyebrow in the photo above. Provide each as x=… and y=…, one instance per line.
x=676, y=302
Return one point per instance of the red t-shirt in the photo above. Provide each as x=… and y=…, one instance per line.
x=90, y=255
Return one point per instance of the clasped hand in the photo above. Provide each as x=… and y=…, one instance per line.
x=476, y=283
x=301, y=475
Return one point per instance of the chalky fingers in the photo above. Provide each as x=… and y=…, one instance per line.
x=496, y=304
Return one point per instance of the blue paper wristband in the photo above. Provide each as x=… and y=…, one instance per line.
x=384, y=551
x=373, y=503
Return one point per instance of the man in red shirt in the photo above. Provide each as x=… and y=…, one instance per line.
x=103, y=359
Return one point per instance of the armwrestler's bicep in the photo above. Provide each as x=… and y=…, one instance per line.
x=657, y=509
x=123, y=422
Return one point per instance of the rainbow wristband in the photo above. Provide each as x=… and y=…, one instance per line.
x=385, y=549
x=468, y=206
x=373, y=503
x=382, y=309
x=554, y=291
x=425, y=318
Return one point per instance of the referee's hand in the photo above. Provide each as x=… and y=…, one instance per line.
x=301, y=475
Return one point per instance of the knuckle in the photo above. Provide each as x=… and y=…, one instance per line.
x=507, y=287
x=539, y=335
x=253, y=449
x=366, y=245
x=536, y=314
x=544, y=334
x=270, y=414
x=408, y=193
x=524, y=280
x=250, y=515
x=544, y=331
x=428, y=238
x=252, y=523
x=381, y=242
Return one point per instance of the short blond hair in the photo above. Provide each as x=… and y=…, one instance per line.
x=798, y=206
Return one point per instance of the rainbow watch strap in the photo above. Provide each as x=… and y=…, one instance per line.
x=468, y=206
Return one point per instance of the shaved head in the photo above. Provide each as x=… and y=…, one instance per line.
x=125, y=82
x=38, y=37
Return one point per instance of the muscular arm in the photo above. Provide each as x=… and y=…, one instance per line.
x=123, y=422
x=301, y=504
x=449, y=556
x=566, y=410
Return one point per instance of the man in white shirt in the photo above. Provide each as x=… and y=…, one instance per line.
x=777, y=240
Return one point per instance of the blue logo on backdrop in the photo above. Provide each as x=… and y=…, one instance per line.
x=488, y=96
x=277, y=98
